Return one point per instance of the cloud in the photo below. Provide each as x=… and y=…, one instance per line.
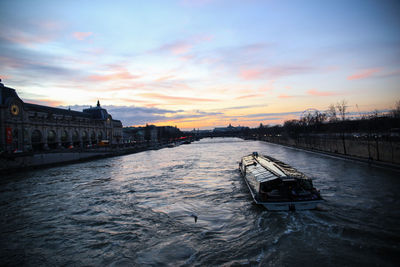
x=31, y=64
x=81, y=35
x=252, y=74
x=249, y=96
x=390, y=74
x=176, y=48
x=194, y=115
x=179, y=99
x=285, y=96
x=4, y=77
x=25, y=38
x=256, y=73
x=44, y=102
x=267, y=115
x=363, y=74
x=315, y=92
x=120, y=75
x=28, y=63
x=244, y=107
x=132, y=115
x=163, y=78
x=183, y=47
x=31, y=33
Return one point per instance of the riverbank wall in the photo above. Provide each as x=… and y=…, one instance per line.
x=385, y=152
x=25, y=161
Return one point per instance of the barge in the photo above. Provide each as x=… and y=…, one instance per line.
x=276, y=185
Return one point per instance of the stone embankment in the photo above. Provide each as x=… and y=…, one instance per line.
x=375, y=151
x=27, y=160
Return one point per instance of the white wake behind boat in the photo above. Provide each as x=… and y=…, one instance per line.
x=276, y=185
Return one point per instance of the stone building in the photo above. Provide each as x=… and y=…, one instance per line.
x=27, y=127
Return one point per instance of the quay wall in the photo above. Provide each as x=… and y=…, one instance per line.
x=379, y=151
x=45, y=159
x=10, y=162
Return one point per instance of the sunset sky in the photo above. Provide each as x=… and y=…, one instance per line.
x=202, y=63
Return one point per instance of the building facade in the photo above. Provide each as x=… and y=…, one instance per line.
x=31, y=127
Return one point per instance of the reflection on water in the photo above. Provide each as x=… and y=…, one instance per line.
x=140, y=209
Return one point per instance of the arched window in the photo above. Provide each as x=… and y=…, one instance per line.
x=93, y=136
x=84, y=136
x=36, y=140
x=36, y=137
x=100, y=136
x=64, y=136
x=75, y=136
x=51, y=136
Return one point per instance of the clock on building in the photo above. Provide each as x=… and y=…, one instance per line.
x=14, y=109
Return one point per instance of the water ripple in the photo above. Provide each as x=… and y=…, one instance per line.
x=188, y=206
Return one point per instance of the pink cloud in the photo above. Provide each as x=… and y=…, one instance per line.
x=163, y=78
x=176, y=48
x=363, y=74
x=44, y=102
x=179, y=99
x=249, y=96
x=25, y=38
x=182, y=47
x=41, y=32
x=81, y=35
x=272, y=72
x=319, y=93
x=285, y=96
x=121, y=75
x=4, y=77
x=251, y=74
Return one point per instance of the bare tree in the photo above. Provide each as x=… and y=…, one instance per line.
x=342, y=109
x=396, y=111
x=332, y=112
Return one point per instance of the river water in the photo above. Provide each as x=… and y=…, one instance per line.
x=140, y=209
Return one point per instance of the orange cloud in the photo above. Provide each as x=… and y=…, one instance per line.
x=44, y=102
x=179, y=99
x=319, y=93
x=363, y=74
x=163, y=78
x=81, y=35
x=249, y=96
x=121, y=75
x=3, y=77
x=285, y=96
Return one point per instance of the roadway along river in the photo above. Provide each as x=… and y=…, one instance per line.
x=139, y=210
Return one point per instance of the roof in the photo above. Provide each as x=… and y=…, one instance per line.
x=261, y=174
x=6, y=93
x=267, y=169
x=60, y=111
